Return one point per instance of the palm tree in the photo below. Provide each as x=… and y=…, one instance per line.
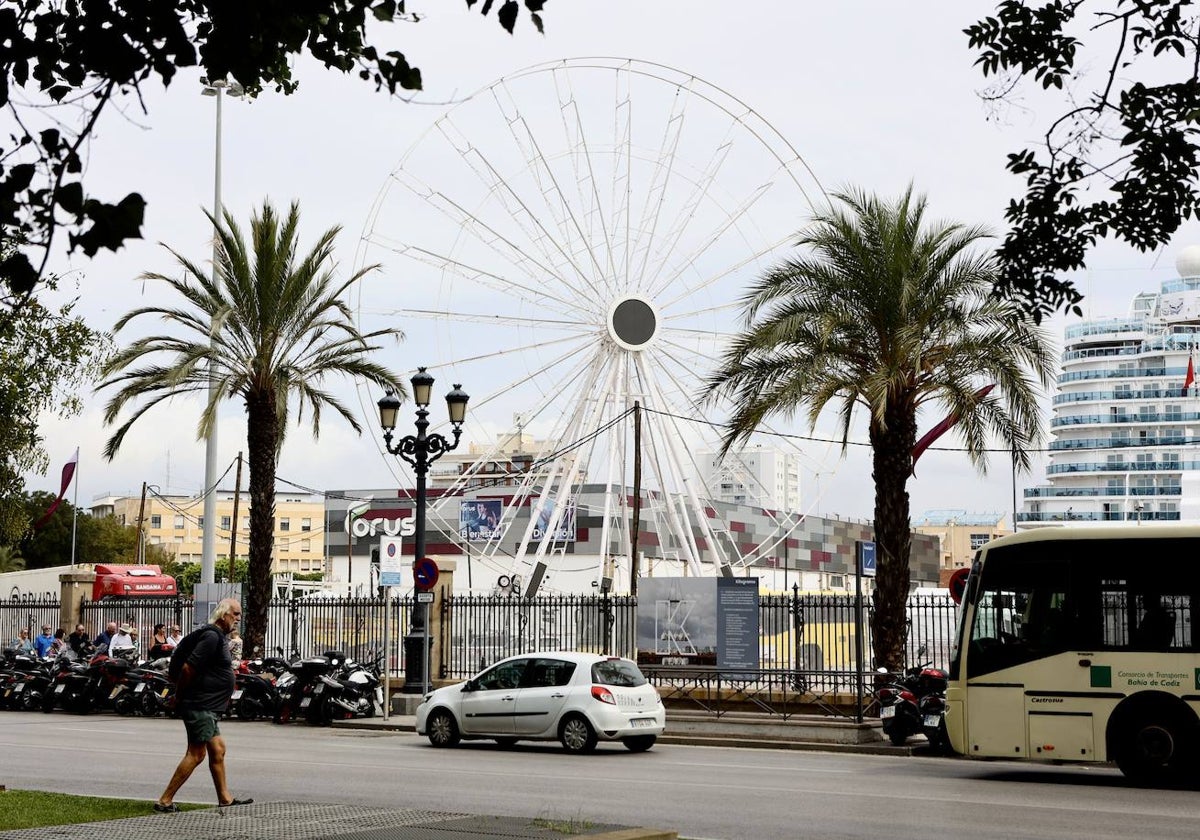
x=272, y=326
x=887, y=315
x=11, y=559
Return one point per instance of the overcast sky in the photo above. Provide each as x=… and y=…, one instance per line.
x=873, y=94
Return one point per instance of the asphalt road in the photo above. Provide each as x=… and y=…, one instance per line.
x=701, y=792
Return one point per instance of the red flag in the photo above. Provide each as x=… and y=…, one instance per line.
x=68, y=472
x=1190, y=378
x=943, y=427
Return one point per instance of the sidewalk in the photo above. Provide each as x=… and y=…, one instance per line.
x=315, y=821
x=755, y=731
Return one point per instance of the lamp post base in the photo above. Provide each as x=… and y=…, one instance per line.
x=414, y=662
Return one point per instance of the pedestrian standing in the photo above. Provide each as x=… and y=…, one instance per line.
x=202, y=692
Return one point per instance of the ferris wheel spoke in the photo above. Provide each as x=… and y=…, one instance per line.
x=622, y=181
x=552, y=194
x=536, y=273
x=585, y=173
x=670, y=278
x=499, y=188
x=661, y=177
x=484, y=318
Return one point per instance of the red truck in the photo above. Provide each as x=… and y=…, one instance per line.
x=113, y=581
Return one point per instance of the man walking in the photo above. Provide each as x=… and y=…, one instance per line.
x=202, y=691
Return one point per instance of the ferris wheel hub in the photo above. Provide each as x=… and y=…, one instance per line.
x=633, y=322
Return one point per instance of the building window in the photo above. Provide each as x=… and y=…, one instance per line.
x=179, y=523
x=284, y=545
x=306, y=524
x=245, y=523
x=285, y=524
x=226, y=521
x=978, y=540
x=306, y=545
x=155, y=520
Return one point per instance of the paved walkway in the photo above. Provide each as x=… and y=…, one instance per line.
x=314, y=821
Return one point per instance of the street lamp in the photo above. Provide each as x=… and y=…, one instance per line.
x=208, y=552
x=420, y=451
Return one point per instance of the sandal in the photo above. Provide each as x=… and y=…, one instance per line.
x=235, y=802
x=170, y=808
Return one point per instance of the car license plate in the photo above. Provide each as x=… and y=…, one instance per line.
x=319, y=688
x=887, y=712
x=59, y=689
x=933, y=720
x=139, y=688
x=304, y=703
x=638, y=723
x=237, y=695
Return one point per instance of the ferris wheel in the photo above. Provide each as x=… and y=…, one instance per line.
x=571, y=244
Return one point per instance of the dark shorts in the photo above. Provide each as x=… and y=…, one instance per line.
x=201, y=726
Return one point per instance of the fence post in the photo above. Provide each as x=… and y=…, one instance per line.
x=294, y=611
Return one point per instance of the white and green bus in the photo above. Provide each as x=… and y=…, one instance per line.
x=1079, y=645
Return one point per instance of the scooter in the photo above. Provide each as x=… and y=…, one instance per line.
x=914, y=702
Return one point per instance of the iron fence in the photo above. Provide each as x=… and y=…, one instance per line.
x=27, y=614
x=808, y=656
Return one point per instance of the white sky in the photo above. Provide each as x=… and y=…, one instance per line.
x=873, y=94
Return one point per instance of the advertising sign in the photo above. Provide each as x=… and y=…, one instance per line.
x=566, y=526
x=698, y=621
x=479, y=519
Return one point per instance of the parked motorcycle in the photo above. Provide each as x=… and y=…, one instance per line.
x=353, y=691
x=255, y=694
x=82, y=688
x=914, y=702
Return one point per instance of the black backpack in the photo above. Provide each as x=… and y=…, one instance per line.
x=183, y=650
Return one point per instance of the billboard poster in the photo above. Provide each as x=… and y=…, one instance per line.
x=677, y=621
x=479, y=519
x=737, y=622
x=566, y=526
x=698, y=621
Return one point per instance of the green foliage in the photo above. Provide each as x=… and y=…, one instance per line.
x=1121, y=159
x=64, y=63
x=284, y=329
x=46, y=358
x=10, y=560
x=885, y=315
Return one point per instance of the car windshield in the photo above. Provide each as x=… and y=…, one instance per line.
x=620, y=672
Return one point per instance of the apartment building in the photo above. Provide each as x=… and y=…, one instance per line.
x=177, y=524
x=960, y=533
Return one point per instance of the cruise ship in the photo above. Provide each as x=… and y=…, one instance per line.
x=1125, y=427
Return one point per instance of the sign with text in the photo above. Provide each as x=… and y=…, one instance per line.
x=479, y=519
x=737, y=622
x=390, y=567
x=698, y=621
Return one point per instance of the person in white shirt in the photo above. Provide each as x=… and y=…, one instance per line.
x=174, y=637
x=122, y=639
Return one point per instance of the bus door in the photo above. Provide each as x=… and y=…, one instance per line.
x=995, y=725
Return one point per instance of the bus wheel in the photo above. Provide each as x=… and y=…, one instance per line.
x=1154, y=749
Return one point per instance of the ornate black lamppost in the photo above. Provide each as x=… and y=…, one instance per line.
x=420, y=450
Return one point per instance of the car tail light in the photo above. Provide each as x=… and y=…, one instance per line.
x=602, y=694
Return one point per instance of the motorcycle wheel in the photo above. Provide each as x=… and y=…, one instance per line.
x=898, y=737
x=48, y=703
x=247, y=708
x=31, y=700
x=149, y=705
x=368, y=708
x=125, y=704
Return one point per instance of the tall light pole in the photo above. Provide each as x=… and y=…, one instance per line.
x=208, y=556
x=420, y=450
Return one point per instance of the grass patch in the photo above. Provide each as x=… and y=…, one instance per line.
x=564, y=826
x=35, y=808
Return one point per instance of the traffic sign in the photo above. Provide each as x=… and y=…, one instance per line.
x=424, y=597
x=425, y=574
x=866, y=557
x=958, y=584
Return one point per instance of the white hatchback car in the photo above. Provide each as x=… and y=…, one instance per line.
x=575, y=698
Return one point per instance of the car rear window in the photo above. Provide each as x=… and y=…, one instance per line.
x=620, y=672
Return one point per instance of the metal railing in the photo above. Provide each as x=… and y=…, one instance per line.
x=27, y=614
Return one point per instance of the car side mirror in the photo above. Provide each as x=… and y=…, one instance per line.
x=470, y=685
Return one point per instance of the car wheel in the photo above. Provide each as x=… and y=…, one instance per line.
x=639, y=743
x=577, y=735
x=443, y=731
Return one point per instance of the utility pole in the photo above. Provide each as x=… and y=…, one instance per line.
x=637, y=497
x=141, y=546
x=233, y=525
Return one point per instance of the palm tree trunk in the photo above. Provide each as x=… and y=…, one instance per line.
x=262, y=437
x=892, y=456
